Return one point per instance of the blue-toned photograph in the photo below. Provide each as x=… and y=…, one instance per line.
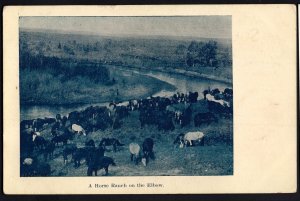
x=126, y=96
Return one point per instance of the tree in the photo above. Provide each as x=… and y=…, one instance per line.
x=202, y=54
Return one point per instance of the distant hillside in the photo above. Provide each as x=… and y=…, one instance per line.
x=50, y=61
x=148, y=52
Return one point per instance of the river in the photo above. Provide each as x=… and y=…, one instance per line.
x=183, y=84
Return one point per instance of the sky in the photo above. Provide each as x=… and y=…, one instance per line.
x=198, y=26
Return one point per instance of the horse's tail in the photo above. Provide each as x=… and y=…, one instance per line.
x=152, y=156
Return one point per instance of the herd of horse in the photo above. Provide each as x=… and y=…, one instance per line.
x=152, y=111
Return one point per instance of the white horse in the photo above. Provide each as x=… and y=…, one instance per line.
x=125, y=103
x=212, y=98
x=78, y=129
x=135, y=150
x=28, y=161
x=193, y=136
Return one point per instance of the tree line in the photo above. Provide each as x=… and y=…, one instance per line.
x=207, y=54
x=65, y=68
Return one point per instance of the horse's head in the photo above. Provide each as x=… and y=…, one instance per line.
x=84, y=132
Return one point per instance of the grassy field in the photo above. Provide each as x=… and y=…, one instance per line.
x=47, y=89
x=215, y=158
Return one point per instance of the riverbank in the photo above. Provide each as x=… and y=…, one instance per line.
x=176, y=71
x=127, y=86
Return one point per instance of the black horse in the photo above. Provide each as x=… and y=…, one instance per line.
x=69, y=149
x=79, y=154
x=94, y=154
x=204, y=118
x=96, y=164
x=110, y=142
x=39, y=141
x=60, y=139
x=49, y=150
x=147, y=151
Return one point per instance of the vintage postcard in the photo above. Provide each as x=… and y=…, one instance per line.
x=149, y=99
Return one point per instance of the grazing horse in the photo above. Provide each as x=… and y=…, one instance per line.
x=180, y=140
x=221, y=102
x=78, y=129
x=68, y=149
x=110, y=142
x=207, y=118
x=134, y=149
x=28, y=161
x=78, y=155
x=48, y=150
x=193, y=136
x=147, y=151
x=38, y=141
x=60, y=138
x=98, y=164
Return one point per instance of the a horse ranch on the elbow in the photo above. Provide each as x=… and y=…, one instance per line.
x=125, y=96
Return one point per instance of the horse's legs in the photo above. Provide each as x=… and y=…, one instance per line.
x=191, y=144
x=89, y=172
x=202, y=141
x=106, y=170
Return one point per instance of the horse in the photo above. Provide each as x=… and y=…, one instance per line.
x=147, y=151
x=78, y=155
x=204, y=118
x=98, y=164
x=221, y=102
x=26, y=144
x=121, y=111
x=78, y=129
x=68, y=149
x=48, y=150
x=39, y=141
x=179, y=140
x=134, y=149
x=25, y=124
x=94, y=154
x=31, y=167
x=60, y=138
x=85, y=153
x=193, y=136
x=27, y=161
x=110, y=142
x=26, y=167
